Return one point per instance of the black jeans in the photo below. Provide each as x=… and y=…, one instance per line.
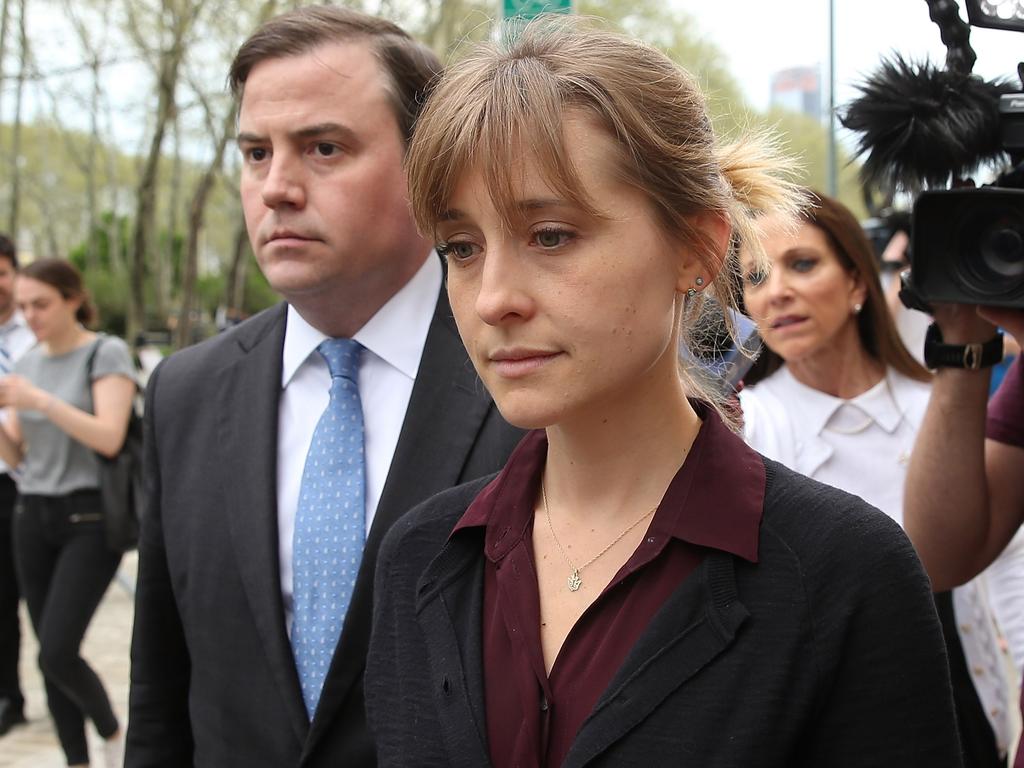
x=64, y=567
x=10, y=626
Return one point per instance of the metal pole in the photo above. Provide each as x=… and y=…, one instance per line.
x=833, y=183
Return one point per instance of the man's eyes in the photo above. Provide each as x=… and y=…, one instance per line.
x=319, y=149
x=254, y=154
x=325, y=149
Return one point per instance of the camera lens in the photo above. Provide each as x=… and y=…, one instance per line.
x=993, y=261
x=1002, y=251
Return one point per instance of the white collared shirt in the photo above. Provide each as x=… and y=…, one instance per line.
x=863, y=446
x=393, y=339
x=17, y=338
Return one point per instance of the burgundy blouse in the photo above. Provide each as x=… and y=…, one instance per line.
x=714, y=502
x=1006, y=408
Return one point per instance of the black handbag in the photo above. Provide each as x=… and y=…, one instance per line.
x=121, y=486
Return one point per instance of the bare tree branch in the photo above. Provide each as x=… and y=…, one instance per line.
x=12, y=220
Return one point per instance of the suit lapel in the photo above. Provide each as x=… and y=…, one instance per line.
x=446, y=410
x=248, y=413
x=699, y=622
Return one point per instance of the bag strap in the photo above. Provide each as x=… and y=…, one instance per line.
x=90, y=363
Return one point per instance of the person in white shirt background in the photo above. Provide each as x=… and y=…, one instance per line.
x=15, y=339
x=835, y=395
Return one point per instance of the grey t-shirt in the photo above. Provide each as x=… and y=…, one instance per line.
x=54, y=463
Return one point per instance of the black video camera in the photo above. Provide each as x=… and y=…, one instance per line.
x=968, y=244
x=920, y=127
x=968, y=247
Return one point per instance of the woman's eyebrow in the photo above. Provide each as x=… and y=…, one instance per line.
x=800, y=250
x=452, y=214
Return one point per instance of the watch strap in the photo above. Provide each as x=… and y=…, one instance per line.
x=938, y=354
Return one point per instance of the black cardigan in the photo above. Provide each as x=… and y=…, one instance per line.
x=826, y=652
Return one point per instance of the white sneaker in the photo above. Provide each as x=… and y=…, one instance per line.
x=113, y=751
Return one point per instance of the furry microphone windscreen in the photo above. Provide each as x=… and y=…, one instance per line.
x=920, y=124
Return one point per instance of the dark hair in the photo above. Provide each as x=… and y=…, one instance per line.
x=875, y=325
x=8, y=251
x=62, y=275
x=411, y=67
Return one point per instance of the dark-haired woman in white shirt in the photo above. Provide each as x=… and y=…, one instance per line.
x=836, y=396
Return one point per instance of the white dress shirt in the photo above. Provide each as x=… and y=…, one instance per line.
x=863, y=446
x=393, y=340
x=17, y=338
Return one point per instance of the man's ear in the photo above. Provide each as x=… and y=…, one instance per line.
x=705, y=258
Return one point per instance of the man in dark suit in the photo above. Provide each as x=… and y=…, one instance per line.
x=327, y=101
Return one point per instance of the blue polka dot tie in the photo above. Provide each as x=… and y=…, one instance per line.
x=330, y=523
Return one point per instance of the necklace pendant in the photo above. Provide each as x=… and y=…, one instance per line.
x=574, y=581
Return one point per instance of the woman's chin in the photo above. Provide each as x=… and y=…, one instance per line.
x=796, y=354
x=526, y=415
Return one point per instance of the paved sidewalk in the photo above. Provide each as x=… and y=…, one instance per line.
x=106, y=648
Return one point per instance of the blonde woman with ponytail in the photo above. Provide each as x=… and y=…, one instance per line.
x=636, y=586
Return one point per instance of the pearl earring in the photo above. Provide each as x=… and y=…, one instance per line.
x=857, y=308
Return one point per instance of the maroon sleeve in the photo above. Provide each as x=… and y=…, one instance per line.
x=1006, y=408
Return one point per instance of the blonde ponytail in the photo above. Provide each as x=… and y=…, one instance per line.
x=762, y=179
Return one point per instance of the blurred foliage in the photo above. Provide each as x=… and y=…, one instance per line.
x=806, y=140
x=58, y=155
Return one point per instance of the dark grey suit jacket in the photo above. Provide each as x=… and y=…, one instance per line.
x=213, y=681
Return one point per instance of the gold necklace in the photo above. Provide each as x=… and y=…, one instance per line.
x=574, y=581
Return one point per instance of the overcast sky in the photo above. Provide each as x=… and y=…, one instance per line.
x=763, y=36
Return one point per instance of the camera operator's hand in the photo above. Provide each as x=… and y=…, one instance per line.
x=963, y=324
x=1011, y=320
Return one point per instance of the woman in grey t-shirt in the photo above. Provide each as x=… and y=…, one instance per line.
x=61, y=412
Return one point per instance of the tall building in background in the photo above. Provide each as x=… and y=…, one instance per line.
x=798, y=89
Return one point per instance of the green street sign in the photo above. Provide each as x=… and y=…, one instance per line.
x=527, y=9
